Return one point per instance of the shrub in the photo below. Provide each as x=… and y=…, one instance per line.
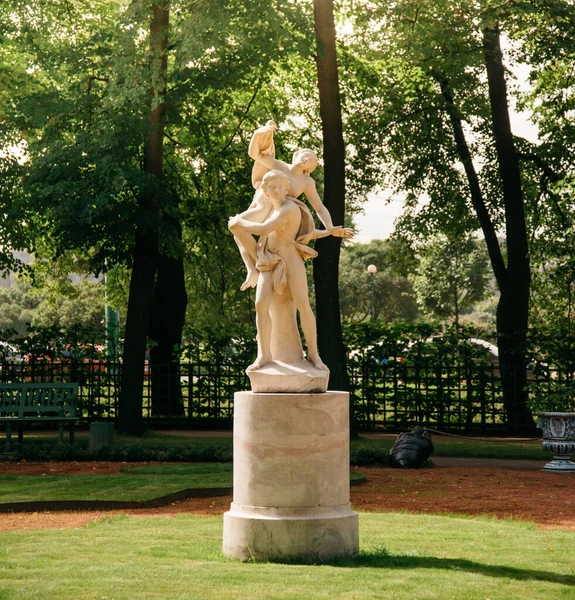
x=127, y=453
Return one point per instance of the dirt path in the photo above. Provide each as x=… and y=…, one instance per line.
x=546, y=498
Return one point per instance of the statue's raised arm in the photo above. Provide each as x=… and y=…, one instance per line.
x=262, y=150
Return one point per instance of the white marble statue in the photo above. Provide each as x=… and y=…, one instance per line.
x=275, y=264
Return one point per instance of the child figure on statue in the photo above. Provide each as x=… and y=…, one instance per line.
x=280, y=255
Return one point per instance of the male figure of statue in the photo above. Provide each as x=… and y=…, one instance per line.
x=279, y=261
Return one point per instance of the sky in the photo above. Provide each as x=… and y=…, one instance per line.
x=381, y=209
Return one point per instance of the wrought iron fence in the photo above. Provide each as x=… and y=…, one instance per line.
x=396, y=395
x=393, y=395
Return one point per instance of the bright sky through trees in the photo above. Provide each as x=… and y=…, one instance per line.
x=381, y=209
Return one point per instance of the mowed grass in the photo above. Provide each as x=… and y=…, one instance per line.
x=131, y=484
x=403, y=557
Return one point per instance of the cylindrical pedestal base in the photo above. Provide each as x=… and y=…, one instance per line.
x=291, y=478
x=290, y=533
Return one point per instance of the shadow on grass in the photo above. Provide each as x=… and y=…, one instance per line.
x=381, y=559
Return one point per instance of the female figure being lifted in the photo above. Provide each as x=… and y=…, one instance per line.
x=298, y=174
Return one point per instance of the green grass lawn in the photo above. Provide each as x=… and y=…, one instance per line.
x=132, y=484
x=126, y=487
x=481, y=449
x=403, y=557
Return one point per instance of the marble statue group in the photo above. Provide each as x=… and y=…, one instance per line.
x=285, y=226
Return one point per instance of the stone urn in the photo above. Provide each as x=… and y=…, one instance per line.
x=558, y=438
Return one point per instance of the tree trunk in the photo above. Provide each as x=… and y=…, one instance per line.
x=477, y=200
x=513, y=307
x=146, y=244
x=139, y=305
x=166, y=326
x=326, y=265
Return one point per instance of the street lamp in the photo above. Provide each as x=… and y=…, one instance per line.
x=372, y=270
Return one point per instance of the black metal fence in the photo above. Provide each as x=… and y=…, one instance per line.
x=392, y=394
x=206, y=389
x=449, y=398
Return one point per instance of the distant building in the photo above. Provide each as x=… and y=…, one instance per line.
x=22, y=256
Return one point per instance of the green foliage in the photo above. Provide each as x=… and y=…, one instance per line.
x=393, y=294
x=18, y=306
x=554, y=394
x=70, y=306
x=85, y=120
x=552, y=335
x=77, y=342
x=55, y=304
x=123, y=453
x=372, y=456
x=235, y=343
x=401, y=51
x=405, y=59
x=414, y=344
x=452, y=276
x=417, y=374
x=68, y=310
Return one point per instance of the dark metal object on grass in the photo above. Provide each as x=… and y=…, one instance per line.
x=411, y=449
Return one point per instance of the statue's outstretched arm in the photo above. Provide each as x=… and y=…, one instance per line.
x=318, y=205
x=323, y=214
x=337, y=231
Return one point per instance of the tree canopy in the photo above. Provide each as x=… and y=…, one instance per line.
x=414, y=96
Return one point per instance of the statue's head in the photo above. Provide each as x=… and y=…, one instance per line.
x=275, y=184
x=307, y=158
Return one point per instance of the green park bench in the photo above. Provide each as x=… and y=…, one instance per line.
x=37, y=403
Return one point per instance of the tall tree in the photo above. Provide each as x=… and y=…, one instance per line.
x=146, y=248
x=325, y=268
x=513, y=307
x=452, y=275
x=157, y=300
x=438, y=119
x=167, y=319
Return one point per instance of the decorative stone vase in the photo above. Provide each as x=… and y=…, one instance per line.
x=558, y=438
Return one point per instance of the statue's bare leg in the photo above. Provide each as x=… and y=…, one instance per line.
x=263, y=320
x=258, y=212
x=247, y=246
x=297, y=281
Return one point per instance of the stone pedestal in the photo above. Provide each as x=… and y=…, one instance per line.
x=291, y=478
x=279, y=377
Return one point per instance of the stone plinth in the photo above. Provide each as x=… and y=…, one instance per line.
x=291, y=478
x=281, y=377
